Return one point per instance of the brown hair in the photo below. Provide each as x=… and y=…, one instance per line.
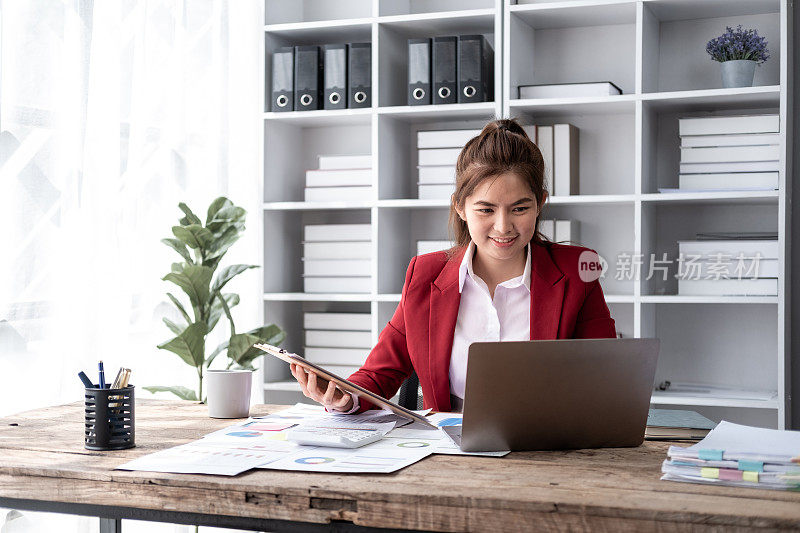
x=502, y=146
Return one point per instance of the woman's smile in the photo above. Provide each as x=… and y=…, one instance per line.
x=504, y=242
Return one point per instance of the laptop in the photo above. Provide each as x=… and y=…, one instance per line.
x=556, y=395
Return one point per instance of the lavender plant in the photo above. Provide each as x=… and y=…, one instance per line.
x=738, y=44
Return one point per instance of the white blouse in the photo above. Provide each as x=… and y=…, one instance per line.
x=507, y=317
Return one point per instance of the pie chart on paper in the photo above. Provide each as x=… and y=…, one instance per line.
x=314, y=460
x=413, y=444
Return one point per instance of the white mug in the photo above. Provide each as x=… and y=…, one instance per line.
x=229, y=393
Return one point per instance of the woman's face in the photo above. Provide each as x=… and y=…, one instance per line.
x=501, y=217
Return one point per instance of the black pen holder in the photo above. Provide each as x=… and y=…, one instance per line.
x=109, y=419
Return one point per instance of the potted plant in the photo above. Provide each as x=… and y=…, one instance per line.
x=202, y=248
x=739, y=51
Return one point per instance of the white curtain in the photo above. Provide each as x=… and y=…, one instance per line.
x=112, y=112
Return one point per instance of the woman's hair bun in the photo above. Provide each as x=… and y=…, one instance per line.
x=505, y=125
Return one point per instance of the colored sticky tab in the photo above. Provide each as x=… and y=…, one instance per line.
x=708, y=472
x=730, y=474
x=755, y=466
x=710, y=455
x=750, y=476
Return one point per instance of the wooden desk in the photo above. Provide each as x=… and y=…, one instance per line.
x=43, y=466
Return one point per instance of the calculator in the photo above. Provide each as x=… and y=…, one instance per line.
x=333, y=436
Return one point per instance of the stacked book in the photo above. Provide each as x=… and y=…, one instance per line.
x=427, y=247
x=339, y=342
x=676, y=424
x=739, y=456
x=337, y=258
x=569, y=90
x=438, y=152
x=340, y=178
x=559, y=146
x=563, y=231
x=729, y=264
x=729, y=153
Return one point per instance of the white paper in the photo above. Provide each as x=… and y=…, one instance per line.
x=202, y=457
x=261, y=443
x=438, y=439
x=378, y=457
x=746, y=442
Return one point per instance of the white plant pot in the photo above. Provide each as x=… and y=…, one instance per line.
x=229, y=393
x=738, y=73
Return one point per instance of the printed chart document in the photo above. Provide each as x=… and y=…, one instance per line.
x=380, y=457
x=261, y=443
x=201, y=457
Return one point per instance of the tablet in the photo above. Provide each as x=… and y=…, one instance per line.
x=343, y=384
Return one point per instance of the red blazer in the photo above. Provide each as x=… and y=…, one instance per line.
x=420, y=334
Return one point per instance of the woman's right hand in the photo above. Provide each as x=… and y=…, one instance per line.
x=330, y=396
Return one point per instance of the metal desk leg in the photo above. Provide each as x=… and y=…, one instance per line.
x=110, y=525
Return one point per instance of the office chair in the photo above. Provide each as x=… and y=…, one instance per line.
x=411, y=393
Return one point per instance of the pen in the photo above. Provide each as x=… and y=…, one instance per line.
x=86, y=381
x=102, y=376
x=118, y=379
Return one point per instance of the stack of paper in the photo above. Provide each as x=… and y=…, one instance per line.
x=437, y=153
x=339, y=342
x=728, y=267
x=739, y=456
x=337, y=258
x=729, y=153
x=427, y=247
x=563, y=231
x=340, y=178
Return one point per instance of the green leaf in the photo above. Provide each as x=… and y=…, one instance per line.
x=220, y=244
x=181, y=392
x=227, y=310
x=241, y=350
x=177, y=267
x=179, y=305
x=179, y=247
x=194, y=236
x=230, y=215
x=216, y=308
x=190, y=216
x=189, y=345
x=227, y=274
x=194, y=280
x=239, y=344
x=215, y=206
x=270, y=334
x=173, y=327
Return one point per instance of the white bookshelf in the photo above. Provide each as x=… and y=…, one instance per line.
x=655, y=51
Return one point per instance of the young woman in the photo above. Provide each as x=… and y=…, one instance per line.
x=501, y=282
